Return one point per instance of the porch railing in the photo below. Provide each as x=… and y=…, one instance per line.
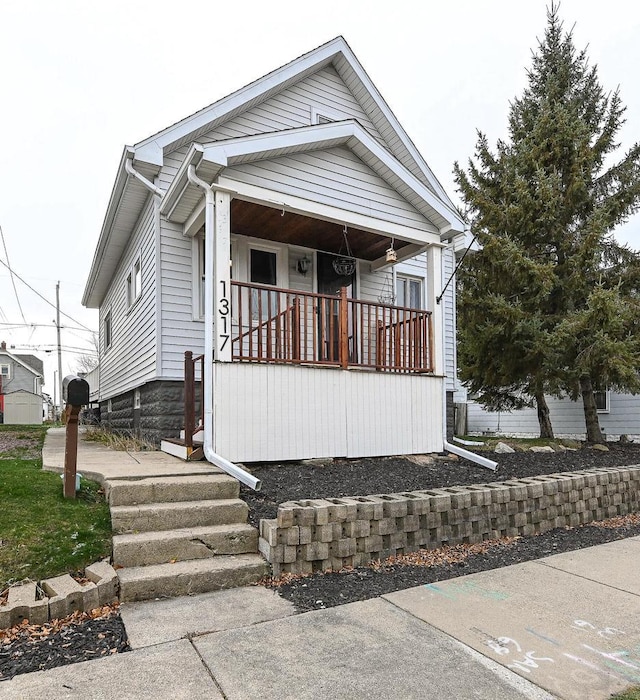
x=295, y=327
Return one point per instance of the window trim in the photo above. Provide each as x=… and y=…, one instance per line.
x=6, y=376
x=607, y=401
x=407, y=279
x=107, y=329
x=134, y=281
x=318, y=112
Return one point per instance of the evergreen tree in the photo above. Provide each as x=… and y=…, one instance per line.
x=543, y=207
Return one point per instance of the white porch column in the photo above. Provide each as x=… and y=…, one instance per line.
x=434, y=288
x=222, y=277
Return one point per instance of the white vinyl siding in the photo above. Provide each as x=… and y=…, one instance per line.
x=449, y=311
x=567, y=418
x=335, y=177
x=180, y=331
x=130, y=360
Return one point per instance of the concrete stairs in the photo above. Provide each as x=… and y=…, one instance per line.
x=181, y=535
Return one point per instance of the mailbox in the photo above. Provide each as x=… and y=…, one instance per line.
x=75, y=391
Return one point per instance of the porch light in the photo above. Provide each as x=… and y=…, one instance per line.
x=345, y=264
x=304, y=265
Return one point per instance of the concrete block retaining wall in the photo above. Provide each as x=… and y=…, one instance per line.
x=329, y=534
x=64, y=595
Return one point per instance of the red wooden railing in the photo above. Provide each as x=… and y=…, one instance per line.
x=190, y=375
x=293, y=327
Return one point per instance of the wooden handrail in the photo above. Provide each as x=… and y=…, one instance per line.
x=328, y=329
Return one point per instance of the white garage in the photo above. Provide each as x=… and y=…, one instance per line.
x=22, y=408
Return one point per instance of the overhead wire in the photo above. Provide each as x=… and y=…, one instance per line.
x=35, y=291
x=13, y=282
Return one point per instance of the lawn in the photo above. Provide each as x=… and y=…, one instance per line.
x=41, y=533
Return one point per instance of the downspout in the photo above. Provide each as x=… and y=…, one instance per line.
x=147, y=183
x=209, y=251
x=455, y=449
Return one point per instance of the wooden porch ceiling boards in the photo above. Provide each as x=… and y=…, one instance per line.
x=249, y=219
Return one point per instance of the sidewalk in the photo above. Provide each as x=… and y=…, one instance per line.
x=566, y=626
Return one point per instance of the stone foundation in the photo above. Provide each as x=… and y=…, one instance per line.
x=329, y=534
x=161, y=412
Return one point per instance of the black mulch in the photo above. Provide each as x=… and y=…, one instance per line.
x=30, y=650
x=292, y=481
x=39, y=648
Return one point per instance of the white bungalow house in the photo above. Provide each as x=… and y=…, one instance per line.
x=291, y=234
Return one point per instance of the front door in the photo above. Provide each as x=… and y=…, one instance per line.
x=330, y=283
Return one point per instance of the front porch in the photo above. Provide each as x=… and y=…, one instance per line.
x=285, y=394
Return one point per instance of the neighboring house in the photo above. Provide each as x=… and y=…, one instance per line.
x=618, y=414
x=328, y=240
x=21, y=380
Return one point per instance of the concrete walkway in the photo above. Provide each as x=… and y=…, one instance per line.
x=567, y=626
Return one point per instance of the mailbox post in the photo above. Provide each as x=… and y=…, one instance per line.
x=75, y=392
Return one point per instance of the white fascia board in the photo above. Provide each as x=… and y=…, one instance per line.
x=322, y=55
x=181, y=180
x=326, y=212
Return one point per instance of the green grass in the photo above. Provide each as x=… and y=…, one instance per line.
x=42, y=534
x=630, y=694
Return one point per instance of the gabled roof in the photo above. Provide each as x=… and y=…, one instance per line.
x=129, y=196
x=26, y=361
x=335, y=52
x=182, y=196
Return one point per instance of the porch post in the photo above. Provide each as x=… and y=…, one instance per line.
x=222, y=278
x=434, y=287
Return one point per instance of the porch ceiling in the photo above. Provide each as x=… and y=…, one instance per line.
x=258, y=221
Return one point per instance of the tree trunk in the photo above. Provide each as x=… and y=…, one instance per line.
x=594, y=434
x=546, y=429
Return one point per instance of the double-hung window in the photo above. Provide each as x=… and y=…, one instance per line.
x=409, y=292
x=134, y=281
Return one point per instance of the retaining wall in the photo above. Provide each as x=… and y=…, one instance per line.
x=329, y=534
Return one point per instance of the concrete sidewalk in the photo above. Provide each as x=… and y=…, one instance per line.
x=567, y=626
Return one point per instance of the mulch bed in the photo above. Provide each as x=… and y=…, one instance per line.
x=78, y=638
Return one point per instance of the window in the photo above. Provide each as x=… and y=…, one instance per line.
x=107, y=330
x=136, y=398
x=5, y=372
x=408, y=292
x=109, y=406
x=602, y=400
x=263, y=266
x=134, y=281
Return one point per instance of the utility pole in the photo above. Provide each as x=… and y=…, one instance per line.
x=59, y=349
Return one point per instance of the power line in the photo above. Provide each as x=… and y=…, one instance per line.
x=13, y=282
x=17, y=324
x=35, y=291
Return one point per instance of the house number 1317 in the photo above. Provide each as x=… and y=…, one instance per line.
x=223, y=312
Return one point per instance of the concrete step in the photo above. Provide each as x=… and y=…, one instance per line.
x=171, y=489
x=146, y=548
x=190, y=577
x=174, y=516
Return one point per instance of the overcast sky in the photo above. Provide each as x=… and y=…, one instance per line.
x=81, y=79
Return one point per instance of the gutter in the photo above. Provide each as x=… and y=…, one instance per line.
x=209, y=367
